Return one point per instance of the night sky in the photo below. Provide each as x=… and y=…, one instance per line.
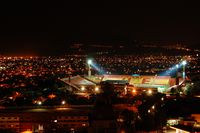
x=47, y=28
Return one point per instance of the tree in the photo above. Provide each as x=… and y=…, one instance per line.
x=193, y=89
x=103, y=104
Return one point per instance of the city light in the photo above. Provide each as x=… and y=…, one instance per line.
x=51, y=96
x=134, y=71
x=120, y=120
x=149, y=92
x=96, y=89
x=122, y=131
x=27, y=132
x=162, y=98
x=83, y=88
x=63, y=102
x=39, y=102
x=134, y=91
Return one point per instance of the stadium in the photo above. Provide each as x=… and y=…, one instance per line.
x=130, y=83
x=123, y=83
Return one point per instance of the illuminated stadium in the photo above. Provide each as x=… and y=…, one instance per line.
x=160, y=83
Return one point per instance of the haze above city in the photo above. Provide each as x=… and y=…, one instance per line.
x=40, y=28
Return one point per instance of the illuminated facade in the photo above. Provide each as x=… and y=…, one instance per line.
x=43, y=121
x=10, y=122
x=161, y=83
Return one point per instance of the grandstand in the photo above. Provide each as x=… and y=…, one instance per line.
x=158, y=83
x=161, y=83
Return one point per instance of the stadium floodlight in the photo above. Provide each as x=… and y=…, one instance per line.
x=184, y=62
x=89, y=61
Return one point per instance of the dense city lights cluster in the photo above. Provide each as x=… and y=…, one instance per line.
x=60, y=67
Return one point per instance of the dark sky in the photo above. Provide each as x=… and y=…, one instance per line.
x=32, y=28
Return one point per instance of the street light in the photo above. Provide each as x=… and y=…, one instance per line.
x=83, y=88
x=89, y=62
x=63, y=102
x=162, y=99
x=39, y=102
x=149, y=92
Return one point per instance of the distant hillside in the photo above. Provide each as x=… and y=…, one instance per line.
x=136, y=48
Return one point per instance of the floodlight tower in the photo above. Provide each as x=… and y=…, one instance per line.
x=184, y=64
x=89, y=62
x=177, y=74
